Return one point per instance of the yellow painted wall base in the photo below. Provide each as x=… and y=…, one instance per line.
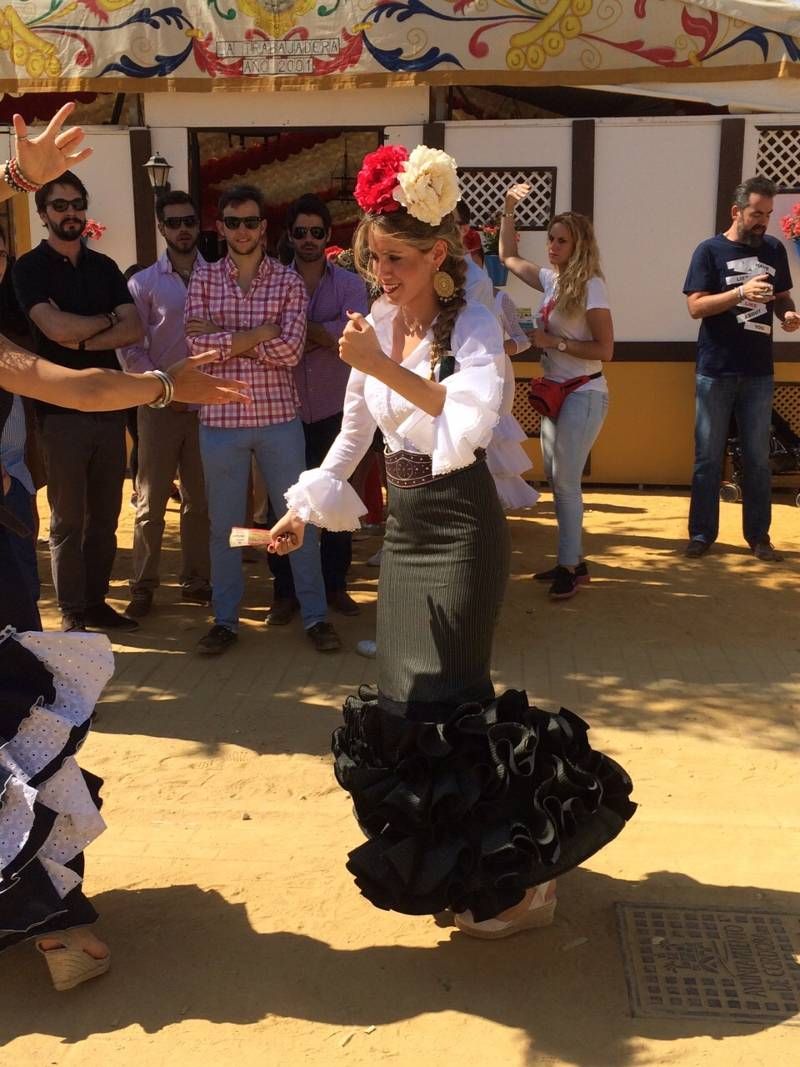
x=648, y=437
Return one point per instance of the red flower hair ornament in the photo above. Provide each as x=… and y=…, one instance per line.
x=377, y=180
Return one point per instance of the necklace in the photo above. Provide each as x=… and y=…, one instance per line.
x=416, y=328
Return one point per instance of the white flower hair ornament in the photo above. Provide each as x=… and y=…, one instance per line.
x=428, y=185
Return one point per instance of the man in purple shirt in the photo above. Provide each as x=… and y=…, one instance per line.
x=168, y=437
x=321, y=379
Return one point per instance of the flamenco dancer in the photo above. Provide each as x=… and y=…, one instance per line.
x=50, y=682
x=470, y=802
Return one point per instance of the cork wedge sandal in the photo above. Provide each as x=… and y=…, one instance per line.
x=71, y=964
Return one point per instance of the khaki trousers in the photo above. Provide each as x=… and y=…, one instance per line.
x=169, y=443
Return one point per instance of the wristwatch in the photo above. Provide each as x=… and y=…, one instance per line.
x=562, y=345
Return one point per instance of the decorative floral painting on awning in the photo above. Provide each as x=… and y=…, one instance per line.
x=119, y=45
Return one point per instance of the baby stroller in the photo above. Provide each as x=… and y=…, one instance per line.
x=784, y=456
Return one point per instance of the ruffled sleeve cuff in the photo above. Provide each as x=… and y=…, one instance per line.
x=471, y=410
x=326, y=501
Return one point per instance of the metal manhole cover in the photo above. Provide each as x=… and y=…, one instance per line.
x=711, y=963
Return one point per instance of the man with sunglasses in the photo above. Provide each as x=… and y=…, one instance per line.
x=321, y=380
x=168, y=437
x=253, y=310
x=80, y=312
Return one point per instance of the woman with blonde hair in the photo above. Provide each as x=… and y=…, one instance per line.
x=470, y=803
x=576, y=335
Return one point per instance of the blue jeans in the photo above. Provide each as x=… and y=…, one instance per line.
x=279, y=451
x=716, y=400
x=566, y=444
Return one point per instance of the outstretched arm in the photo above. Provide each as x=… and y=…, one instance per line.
x=108, y=390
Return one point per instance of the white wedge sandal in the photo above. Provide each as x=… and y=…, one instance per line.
x=534, y=911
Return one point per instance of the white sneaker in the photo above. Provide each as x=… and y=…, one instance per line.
x=368, y=649
x=375, y=561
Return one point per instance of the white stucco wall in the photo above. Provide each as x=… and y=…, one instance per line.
x=655, y=200
x=340, y=107
x=655, y=181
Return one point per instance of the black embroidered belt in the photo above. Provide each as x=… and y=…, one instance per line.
x=409, y=470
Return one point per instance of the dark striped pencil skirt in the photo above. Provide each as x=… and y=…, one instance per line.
x=443, y=575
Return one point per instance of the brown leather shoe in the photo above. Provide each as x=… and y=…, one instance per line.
x=282, y=612
x=342, y=602
x=323, y=637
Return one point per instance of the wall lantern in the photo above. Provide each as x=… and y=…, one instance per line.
x=158, y=172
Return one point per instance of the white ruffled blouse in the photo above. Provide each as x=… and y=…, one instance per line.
x=471, y=409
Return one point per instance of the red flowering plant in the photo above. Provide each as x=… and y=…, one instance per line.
x=790, y=224
x=490, y=239
x=378, y=179
x=93, y=230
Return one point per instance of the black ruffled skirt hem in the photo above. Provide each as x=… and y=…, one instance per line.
x=471, y=812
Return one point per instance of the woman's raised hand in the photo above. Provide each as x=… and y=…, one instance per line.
x=47, y=155
x=515, y=193
x=193, y=386
x=358, y=345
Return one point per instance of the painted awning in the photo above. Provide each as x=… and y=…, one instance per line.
x=122, y=45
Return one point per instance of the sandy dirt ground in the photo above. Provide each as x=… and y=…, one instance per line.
x=237, y=934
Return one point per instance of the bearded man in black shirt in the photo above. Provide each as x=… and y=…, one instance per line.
x=80, y=312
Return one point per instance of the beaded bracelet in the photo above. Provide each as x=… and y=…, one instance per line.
x=16, y=179
x=8, y=178
x=169, y=389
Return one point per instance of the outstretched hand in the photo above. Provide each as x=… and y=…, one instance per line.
x=286, y=535
x=47, y=155
x=193, y=386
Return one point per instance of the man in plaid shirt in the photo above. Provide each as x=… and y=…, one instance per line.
x=254, y=311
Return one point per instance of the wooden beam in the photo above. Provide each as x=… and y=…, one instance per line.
x=143, y=206
x=433, y=135
x=583, y=133
x=729, y=173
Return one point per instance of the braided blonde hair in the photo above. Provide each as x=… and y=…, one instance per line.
x=401, y=226
x=583, y=265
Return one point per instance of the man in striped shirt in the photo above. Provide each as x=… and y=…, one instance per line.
x=253, y=310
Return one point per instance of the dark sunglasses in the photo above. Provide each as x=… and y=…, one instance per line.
x=317, y=232
x=250, y=222
x=78, y=204
x=176, y=221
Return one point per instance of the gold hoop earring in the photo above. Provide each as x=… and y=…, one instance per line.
x=443, y=285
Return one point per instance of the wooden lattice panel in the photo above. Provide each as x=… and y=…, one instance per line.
x=529, y=420
x=787, y=403
x=779, y=156
x=483, y=189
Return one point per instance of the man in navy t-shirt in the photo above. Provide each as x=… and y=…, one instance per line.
x=736, y=281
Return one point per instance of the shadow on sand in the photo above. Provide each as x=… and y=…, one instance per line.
x=184, y=953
